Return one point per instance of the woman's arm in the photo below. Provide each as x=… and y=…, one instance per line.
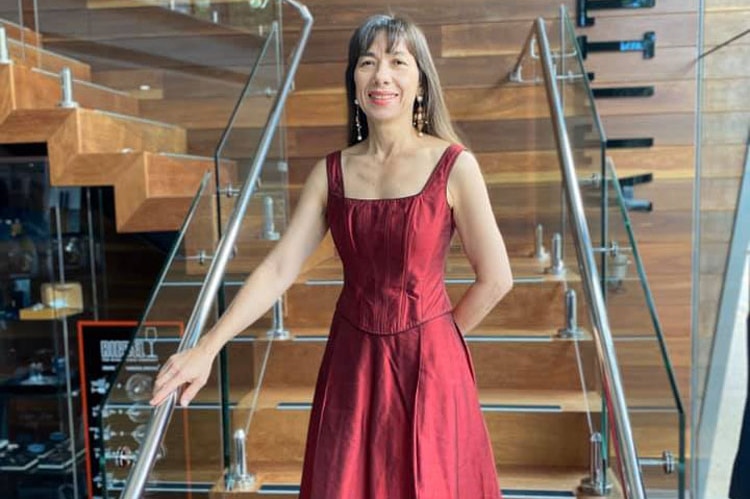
x=482, y=243
x=258, y=293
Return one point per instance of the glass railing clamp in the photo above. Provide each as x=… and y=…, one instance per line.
x=595, y=484
x=66, y=84
x=667, y=462
x=230, y=191
x=571, y=329
x=557, y=265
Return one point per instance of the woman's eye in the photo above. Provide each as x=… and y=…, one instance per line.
x=365, y=63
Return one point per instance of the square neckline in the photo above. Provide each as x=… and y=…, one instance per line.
x=427, y=183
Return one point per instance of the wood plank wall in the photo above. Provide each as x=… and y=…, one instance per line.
x=475, y=43
x=725, y=129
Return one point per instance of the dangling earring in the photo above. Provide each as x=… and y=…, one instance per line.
x=357, y=124
x=419, y=118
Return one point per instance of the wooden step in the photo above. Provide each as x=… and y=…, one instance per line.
x=151, y=189
x=89, y=148
x=84, y=131
x=516, y=482
x=37, y=57
x=21, y=34
x=35, y=88
x=531, y=305
x=534, y=361
x=553, y=424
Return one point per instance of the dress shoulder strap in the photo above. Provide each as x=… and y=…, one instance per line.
x=447, y=160
x=333, y=170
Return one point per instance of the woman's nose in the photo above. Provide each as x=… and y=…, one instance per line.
x=383, y=73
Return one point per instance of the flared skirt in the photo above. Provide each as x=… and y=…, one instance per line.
x=397, y=416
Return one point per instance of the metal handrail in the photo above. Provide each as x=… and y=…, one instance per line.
x=590, y=278
x=159, y=421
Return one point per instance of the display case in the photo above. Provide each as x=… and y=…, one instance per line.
x=48, y=281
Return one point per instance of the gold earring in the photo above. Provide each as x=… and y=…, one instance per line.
x=419, y=117
x=357, y=124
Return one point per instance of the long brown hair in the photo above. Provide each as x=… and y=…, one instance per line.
x=396, y=29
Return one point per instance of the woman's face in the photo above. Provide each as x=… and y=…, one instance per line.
x=386, y=83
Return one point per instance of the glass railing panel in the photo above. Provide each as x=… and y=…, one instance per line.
x=586, y=143
x=257, y=362
x=267, y=213
x=190, y=458
x=631, y=315
x=649, y=378
x=264, y=221
x=528, y=198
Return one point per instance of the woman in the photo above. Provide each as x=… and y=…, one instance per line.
x=395, y=413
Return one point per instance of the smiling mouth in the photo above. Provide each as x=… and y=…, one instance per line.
x=382, y=97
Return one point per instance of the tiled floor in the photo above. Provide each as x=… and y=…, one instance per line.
x=732, y=405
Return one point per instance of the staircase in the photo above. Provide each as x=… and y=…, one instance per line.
x=541, y=392
x=100, y=142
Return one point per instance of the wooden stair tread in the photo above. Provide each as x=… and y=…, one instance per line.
x=15, y=31
x=553, y=479
x=306, y=333
x=567, y=400
x=34, y=56
x=457, y=267
x=92, y=96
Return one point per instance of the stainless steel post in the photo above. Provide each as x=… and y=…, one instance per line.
x=594, y=483
x=66, y=82
x=571, y=329
x=4, y=56
x=278, y=332
x=242, y=480
x=557, y=266
x=540, y=253
x=269, y=228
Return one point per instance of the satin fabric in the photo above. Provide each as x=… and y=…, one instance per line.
x=395, y=413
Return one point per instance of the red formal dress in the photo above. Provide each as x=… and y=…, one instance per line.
x=395, y=413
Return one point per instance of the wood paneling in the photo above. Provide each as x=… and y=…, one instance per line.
x=725, y=128
x=669, y=98
x=340, y=13
x=666, y=129
x=507, y=37
x=666, y=162
x=721, y=25
x=672, y=63
x=728, y=62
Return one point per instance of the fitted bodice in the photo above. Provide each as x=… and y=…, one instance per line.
x=393, y=251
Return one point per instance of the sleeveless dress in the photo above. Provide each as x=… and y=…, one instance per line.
x=395, y=413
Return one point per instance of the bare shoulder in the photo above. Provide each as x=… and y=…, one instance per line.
x=316, y=184
x=466, y=166
x=465, y=179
